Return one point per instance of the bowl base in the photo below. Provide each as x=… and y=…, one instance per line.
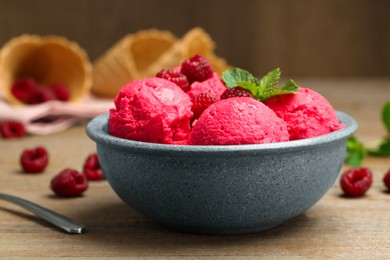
x=225, y=232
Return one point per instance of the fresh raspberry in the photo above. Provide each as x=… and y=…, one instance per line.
x=200, y=102
x=386, y=180
x=40, y=95
x=30, y=92
x=236, y=92
x=60, y=91
x=22, y=89
x=197, y=68
x=69, y=183
x=176, y=77
x=34, y=160
x=356, y=181
x=92, y=169
x=12, y=129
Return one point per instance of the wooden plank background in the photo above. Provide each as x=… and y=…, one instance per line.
x=315, y=38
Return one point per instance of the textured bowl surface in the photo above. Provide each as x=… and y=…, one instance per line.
x=221, y=189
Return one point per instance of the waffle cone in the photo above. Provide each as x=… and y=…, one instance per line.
x=129, y=59
x=145, y=53
x=195, y=41
x=50, y=59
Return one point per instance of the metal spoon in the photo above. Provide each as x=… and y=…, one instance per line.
x=52, y=217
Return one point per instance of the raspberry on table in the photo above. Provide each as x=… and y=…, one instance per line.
x=92, y=169
x=356, y=181
x=386, y=179
x=197, y=68
x=34, y=160
x=236, y=92
x=12, y=129
x=176, y=77
x=200, y=103
x=69, y=183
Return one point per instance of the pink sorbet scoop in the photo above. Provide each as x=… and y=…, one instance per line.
x=307, y=113
x=239, y=120
x=151, y=110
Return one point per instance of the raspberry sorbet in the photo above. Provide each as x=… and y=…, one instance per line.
x=151, y=110
x=240, y=120
x=307, y=113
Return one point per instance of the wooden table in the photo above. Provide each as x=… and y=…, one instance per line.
x=336, y=227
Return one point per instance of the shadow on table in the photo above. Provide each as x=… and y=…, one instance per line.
x=118, y=226
x=28, y=216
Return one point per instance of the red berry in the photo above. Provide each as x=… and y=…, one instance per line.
x=69, y=183
x=12, y=129
x=200, y=102
x=176, y=77
x=236, y=92
x=22, y=89
x=92, y=169
x=40, y=95
x=34, y=160
x=60, y=91
x=356, y=181
x=386, y=179
x=197, y=68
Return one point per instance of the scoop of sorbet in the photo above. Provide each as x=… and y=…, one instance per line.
x=151, y=110
x=307, y=113
x=240, y=120
x=213, y=86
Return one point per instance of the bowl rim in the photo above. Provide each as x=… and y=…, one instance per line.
x=97, y=130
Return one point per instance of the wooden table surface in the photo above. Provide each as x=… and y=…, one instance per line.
x=336, y=227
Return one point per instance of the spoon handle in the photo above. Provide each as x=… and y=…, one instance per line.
x=52, y=217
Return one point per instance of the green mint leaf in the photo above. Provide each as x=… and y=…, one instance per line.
x=252, y=87
x=234, y=76
x=386, y=116
x=382, y=150
x=271, y=79
x=355, y=152
x=289, y=88
x=261, y=89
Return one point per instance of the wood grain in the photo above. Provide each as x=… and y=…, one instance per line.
x=335, y=228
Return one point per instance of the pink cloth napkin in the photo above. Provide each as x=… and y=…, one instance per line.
x=54, y=116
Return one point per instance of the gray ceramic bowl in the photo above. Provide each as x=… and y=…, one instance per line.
x=221, y=189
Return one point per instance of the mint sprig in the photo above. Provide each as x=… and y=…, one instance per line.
x=386, y=116
x=383, y=149
x=356, y=150
x=262, y=89
x=235, y=75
